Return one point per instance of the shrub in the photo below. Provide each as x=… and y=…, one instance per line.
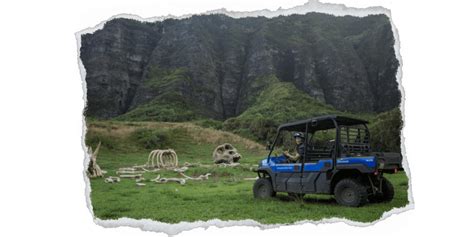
x=151, y=138
x=93, y=138
x=385, y=131
x=209, y=123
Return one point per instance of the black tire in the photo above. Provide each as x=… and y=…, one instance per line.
x=296, y=196
x=386, y=194
x=387, y=190
x=263, y=189
x=350, y=192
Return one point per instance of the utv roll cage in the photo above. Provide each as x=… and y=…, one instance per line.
x=348, y=140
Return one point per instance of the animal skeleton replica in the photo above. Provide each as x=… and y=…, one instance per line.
x=93, y=170
x=162, y=159
x=225, y=153
x=166, y=159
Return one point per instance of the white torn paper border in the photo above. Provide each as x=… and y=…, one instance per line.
x=310, y=6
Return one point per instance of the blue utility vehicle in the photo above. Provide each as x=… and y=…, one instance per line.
x=343, y=165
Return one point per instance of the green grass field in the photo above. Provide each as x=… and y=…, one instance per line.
x=226, y=195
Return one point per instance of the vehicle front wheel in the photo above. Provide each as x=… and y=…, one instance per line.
x=350, y=192
x=263, y=189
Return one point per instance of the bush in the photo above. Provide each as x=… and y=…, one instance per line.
x=93, y=139
x=169, y=108
x=385, y=131
x=231, y=124
x=151, y=138
x=209, y=123
x=263, y=129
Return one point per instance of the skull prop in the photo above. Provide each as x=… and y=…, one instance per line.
x=225, y=153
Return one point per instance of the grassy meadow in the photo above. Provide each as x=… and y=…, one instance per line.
x=226, y=195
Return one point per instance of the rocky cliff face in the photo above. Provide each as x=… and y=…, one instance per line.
x=216, y=65
x=115, y=59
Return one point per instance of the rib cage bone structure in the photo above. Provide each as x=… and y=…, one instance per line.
x=162, y=159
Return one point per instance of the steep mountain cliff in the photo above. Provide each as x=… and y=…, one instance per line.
x=215, y=66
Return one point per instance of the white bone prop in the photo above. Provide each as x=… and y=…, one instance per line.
x=180, y=170
x=200, y=177
x=251, y=179
x=228, y=165
x=112, y=179
x=226, y=153
x=131, y=176
x=93, y=170
x=130, y=172
x=162, y=159
x=160, y=180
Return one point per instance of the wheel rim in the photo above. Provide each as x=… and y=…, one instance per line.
x=263, y=190
x=348, y=195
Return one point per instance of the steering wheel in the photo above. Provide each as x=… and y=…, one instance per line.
x=276, y=154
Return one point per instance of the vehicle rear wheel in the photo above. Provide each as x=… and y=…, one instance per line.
x=263, y=189
x=386, y=194
x=387, y=190
x=350, y=192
